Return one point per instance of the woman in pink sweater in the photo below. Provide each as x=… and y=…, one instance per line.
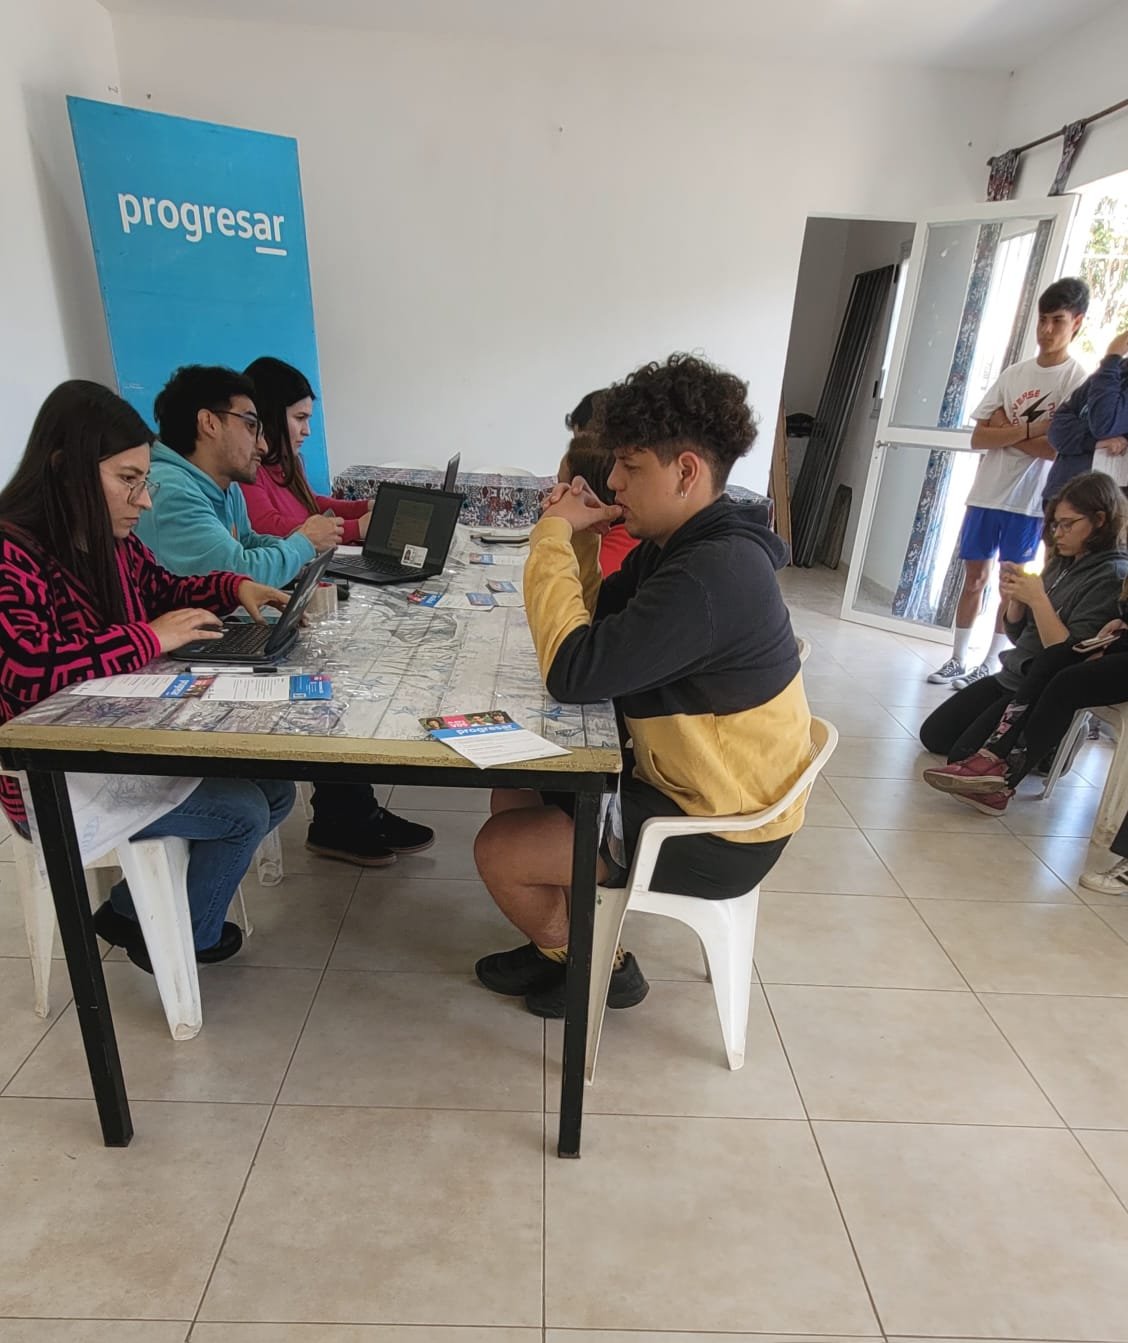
x=281, y=501
x=348, y=823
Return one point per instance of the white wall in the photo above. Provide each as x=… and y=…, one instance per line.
x=52, y=326
x=496, y=228
x=1078, y=75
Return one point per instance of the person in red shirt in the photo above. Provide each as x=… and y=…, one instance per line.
x=348, y=823
x=280, y=501
x=588, y=458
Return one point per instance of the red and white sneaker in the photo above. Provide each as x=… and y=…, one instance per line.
x=979, y=773
x=991, y=804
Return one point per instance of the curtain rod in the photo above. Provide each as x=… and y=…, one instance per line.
x=1085, y=121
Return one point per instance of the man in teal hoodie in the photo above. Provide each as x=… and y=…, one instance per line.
x=210, y=442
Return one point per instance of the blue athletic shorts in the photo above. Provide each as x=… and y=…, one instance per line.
x=988, y=532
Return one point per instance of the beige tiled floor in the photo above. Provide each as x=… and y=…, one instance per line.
x=929, y=1139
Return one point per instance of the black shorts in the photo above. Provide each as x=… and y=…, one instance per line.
x=702, y=865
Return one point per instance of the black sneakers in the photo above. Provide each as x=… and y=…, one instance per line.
x=123, y=932
x=401, y=836
x=628, y=989
x=362, y=848
x=518, y=972
x=372, y=843
x=525, y=973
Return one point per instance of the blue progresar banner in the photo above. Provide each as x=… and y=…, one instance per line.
x=199, y=239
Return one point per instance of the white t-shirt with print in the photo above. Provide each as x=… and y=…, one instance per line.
x=1008, y=478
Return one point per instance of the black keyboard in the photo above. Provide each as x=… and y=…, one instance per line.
x=242, y=640
x=363, y=564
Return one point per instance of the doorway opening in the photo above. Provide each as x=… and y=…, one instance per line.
x=970, y=299
x=835, y=252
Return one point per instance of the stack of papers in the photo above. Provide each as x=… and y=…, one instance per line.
x=490, y=737
x=231, y=689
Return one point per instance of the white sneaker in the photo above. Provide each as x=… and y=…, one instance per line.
x=1112, y=882
x=976, y=674
x=948, y=672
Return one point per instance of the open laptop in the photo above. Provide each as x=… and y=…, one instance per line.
x=408, y=538
x=248, y=643
x=451, y=477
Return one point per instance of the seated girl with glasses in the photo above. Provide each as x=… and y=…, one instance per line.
x=997, y=729
x=81, y=597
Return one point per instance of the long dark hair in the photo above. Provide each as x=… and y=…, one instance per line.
x=1098, y=498
x=55, y=496
x=278, y=386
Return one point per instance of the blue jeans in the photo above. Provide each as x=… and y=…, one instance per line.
x=225, y=820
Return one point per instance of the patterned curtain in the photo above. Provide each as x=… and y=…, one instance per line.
x=1001, y=178
x=1070, y=143
x=912, y=598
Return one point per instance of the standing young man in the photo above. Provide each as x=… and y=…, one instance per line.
x=691, y=640
x=1004, y=506
x=211, y=441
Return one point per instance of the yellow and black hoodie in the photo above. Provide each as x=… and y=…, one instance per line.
x=693, y=642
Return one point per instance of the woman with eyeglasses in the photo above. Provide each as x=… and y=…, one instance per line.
x=279, y=499
x=996, y=730
x=82, y=597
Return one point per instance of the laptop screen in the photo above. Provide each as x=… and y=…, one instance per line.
x=304, y=588
x=407, y=515
x=450, y=480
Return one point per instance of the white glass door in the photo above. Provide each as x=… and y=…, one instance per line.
x=970, y=309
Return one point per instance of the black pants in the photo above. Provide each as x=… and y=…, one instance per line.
x=1119, y=845
x=1057, y=683
x=961, y=725
x=338, y=808
x=1034, y=717
x=1085, y=685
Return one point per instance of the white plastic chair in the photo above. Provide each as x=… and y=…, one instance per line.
x=804, y=649
x=157, y=873
x=725, y=928
x=501, y=471
x=1114, y=798
x=270, y=868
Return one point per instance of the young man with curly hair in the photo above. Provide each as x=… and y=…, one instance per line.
x=691, y=640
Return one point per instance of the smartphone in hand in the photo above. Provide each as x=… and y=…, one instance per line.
x=1097, y=641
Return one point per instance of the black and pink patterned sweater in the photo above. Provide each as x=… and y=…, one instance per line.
x=51, y=636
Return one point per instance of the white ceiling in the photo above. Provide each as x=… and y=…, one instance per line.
x=964, y=34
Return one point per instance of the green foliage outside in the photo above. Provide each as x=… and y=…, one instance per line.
x=1105, y=267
